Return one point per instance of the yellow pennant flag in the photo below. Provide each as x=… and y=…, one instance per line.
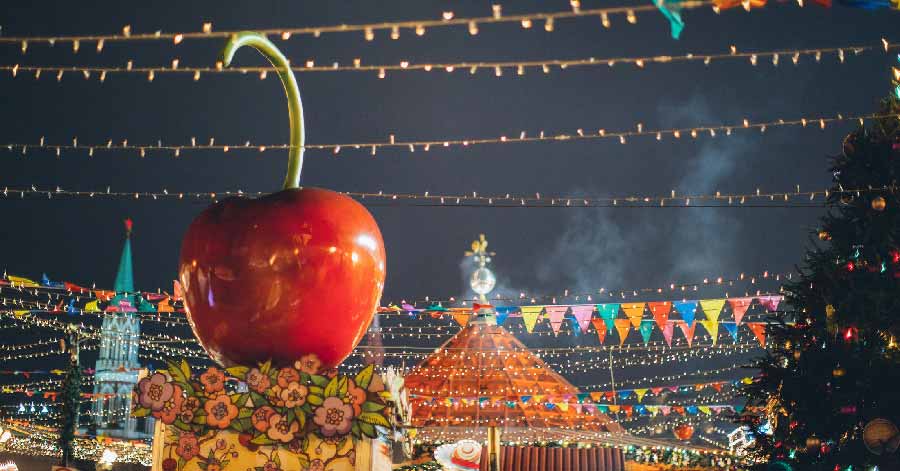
x=530, y=315
x=711, y=326
x=614, y=408
x=23, y=282
x=704, y=409
x=563, y=406
x=20, y=313
x=634, y=313
x=92, y=306
x=640, y=393
x=623, y=326
x=712, y=308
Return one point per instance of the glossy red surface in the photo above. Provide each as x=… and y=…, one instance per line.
x=683, y=432
x=288, y=274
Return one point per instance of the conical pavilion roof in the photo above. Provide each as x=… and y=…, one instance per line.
x=485, y=376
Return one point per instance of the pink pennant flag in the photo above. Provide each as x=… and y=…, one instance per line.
x=583, y=316
x=688, y=331
x=634, y=313
x=665, y=410
x=739, y=306
x=556, y=314
x=759, y=330
x=667, y=332
x=770, y=302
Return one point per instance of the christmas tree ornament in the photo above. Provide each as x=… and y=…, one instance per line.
x=813, y=443
x=881, y=436
x=295, y=273
x=878, y=203
x=824, y=235
x=847, y=145
x=838, y=371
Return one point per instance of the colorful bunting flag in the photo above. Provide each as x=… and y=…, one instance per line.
x=646, y=329
x=732, y=329
x=770, y=302
x=660, y=311
x=608, y=312
x=600, y=328
x=530, y=315
x=583, y=316
x=668, y=330
x=712, y=326
x=759, y=330
x=712, y=308
x=739, y=306
x=556, y=314
x=688, y=331
x=634, y=312
x=623, y=326
x=687, y=309
x=671, y=9
x=640, y=393
x=462, y=317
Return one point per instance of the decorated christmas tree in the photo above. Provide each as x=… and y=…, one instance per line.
x=826, y=397
x=70, y=403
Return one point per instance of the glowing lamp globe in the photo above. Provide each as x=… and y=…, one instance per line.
x=683, y=432
x=295, y=273
x=879, y=203
x=482, y=281
x=881, y=436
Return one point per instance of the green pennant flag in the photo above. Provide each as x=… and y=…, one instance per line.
x=647, y=329
x=608, y=312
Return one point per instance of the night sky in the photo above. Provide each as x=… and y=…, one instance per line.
x=539, y=250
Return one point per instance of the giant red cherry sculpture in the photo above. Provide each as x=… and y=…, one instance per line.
x=294, y=273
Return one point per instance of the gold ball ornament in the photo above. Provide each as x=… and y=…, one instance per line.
x=879, y=203
x=813, y=443
x=881, y=436
x=838, y=371
x=824, y=235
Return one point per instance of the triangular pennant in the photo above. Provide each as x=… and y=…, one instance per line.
x=597, y=396
x=653, y=410
x=623, y=326
x=646, y=329
x=609, y=395
x=583, y=316
x=628, y=410
x=530, y=315
x=634, y=312
x=688, y=310
x=712, y=326
x=712, y=308
x=667, y=332
x=640, y=393
x=600, y=328
x=608, y=312
x=759, y=330
x=461, y=317
x=770, y=302
x=688, y=331
x=739, y=306
x=656, y=390
x=717, y=386
x=500, y=316
x=665, y=410
x=556, y=314
x=732, y=329
x=704, y=409
x=660, y=311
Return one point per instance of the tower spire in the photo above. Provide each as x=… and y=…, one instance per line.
x=125, y=275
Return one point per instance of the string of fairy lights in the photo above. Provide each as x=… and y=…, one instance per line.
x=496, y=68
x=419, y=27
x=372, y=147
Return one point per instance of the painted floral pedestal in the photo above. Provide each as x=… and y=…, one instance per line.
x=265, y=418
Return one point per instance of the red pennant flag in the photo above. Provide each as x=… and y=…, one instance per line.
x=739, y=306
x=759, y=330
x=656, y=391
x=716, y=386
x=660, y=311
x=600, y=328
x=688, y=331
x=609, y=395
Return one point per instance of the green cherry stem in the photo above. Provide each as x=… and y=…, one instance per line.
x=295, y=107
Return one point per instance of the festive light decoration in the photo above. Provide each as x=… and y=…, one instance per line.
x=448, y=19
x=537, y=199
x=545, y=66
x=372, y=147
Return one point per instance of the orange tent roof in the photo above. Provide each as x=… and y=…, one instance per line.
x=478, y=378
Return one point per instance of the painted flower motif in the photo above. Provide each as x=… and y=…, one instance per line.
x=271, y=466
x=169, y=464
x=257, y=381
x=213, y=380
x=294, y=395
x=155, y=391
x=334, y=417
x=188, y=407
x=308, y=364
x=356, y=396
x=280, y=430
x=220, y=444
x=287, y=376
x=215, y=466
x=172, y=407
x=260, y=418
x=188, y=447
x=316, y=465
x=220, y=412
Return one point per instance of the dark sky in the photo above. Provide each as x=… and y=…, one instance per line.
x=545, y=250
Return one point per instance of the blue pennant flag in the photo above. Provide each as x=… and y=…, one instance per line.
x=732, y=329
x=687, y=309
